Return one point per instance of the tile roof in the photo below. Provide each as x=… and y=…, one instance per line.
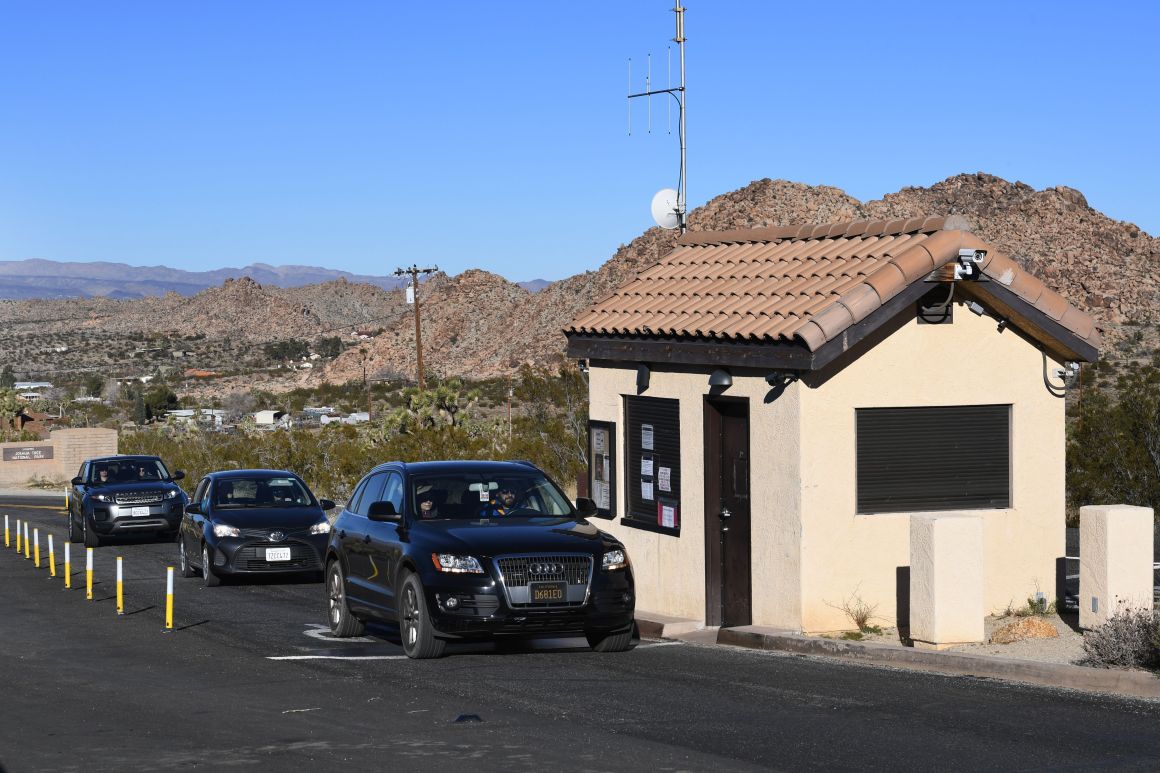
x=802, y=284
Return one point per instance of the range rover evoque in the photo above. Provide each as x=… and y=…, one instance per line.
x=468, y=550
x=122, y=495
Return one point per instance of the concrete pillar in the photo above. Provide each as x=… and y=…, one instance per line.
x=1115, y=561
x=946, y=580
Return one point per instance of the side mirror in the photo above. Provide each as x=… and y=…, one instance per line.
x=586, y=508
x=326, y=504
x=78, y=481
x=193, y=508
x=383, y=511
x=178, y=475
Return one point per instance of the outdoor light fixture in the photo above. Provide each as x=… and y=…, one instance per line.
x=720, y=378
x=642, y=374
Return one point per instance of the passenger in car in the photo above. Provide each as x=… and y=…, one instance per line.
x=102, y=476
x=427, y=505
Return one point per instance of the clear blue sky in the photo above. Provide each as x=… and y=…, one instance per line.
x=368, y=135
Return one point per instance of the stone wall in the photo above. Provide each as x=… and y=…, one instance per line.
x=57, y=459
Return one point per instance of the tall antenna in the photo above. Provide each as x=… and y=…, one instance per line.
x=668, y=205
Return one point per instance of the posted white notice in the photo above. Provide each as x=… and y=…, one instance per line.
x=665, y=479
x=646, y=466
x=646, y=437
x=668, y=516
x=646, y=490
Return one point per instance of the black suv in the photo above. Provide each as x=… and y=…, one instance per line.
x=467, y=550
x=120, y=495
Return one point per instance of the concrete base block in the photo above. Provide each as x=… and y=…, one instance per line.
x=946, y=580
x=1115, y=566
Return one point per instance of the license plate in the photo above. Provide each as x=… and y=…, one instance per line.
x=136, y=512
x=277, y=554
x=548, y=592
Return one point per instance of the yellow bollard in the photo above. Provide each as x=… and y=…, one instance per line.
x=18, y=536
x=36, y=546
x=120, y=595
x=67, y=566
x=89, y=574
x=169, y=598
x=7, y=542
x=51, y=558
x=27, y=551
x=66, y=499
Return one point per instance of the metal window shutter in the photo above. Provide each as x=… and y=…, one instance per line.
x=665, y=417
x=933, y=458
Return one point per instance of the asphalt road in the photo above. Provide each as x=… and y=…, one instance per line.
x=250, y=679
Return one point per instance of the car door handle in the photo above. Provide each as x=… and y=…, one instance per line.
x=367, y=539
x=342, y=533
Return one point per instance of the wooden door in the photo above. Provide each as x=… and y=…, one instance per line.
x=727, y=513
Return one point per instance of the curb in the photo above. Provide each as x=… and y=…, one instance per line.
x=1137, y=684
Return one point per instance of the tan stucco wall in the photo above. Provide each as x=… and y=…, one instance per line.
x=70, y=447
x=1115, y=564
x=946, y=579
x=670, y=571
x=969, y=363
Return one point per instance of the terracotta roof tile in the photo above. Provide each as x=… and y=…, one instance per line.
x=807, y=283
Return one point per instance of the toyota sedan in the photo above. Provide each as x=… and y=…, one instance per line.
x=252, y=522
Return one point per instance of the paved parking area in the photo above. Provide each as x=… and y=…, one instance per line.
x=250, y=677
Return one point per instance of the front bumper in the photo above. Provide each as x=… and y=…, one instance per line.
x=110, y=519
x=474, y=606
x=246, y=555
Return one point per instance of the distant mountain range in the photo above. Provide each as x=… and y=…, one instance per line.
x=36, y=278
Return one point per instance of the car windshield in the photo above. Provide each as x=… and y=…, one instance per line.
x=261, y=493
x=128, y=471
x=472, y=495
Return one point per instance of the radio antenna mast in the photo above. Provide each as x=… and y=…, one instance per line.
x=668, y=205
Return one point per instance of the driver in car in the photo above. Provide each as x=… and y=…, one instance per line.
x=504, y=503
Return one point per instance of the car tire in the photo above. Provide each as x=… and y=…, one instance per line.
x=208, y=578
x=415, y=630
x=91, y=538
x=74, y=535
x=343, y=623
x=183, y=564
x=609, y=641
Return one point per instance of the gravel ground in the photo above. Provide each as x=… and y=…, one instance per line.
x=1067, y=648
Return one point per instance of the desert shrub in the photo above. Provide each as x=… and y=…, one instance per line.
x=1127, y=640
x=859, y=611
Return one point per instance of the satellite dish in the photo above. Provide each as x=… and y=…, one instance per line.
x=664, y=208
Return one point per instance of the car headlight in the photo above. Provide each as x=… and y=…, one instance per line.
x=322, y=527
x=446, y=562
x=615, y=559
x=172, y=494
x=221, y=530
x=103, y=497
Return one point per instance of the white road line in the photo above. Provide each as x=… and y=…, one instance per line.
x=336, y=657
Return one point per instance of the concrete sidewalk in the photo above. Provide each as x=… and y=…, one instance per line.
x=35, y=493
x=1136, y=684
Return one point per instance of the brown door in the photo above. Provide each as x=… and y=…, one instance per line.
x=727, y=532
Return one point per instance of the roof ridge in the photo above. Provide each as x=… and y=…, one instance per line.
x=836, y=230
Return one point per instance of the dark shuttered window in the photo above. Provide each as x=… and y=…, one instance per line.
x=653, y=467
x=934, y=458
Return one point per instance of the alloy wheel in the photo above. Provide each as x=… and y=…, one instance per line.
x=336, y=599
x=410, y=615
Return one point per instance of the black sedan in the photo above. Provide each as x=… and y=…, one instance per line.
x=469, y=550
x=252, y=522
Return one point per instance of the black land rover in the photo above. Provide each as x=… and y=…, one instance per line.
x=121, y=495
x=467, y=550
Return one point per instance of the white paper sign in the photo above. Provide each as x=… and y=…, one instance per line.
x=601, y=492
x=646, y=437
x=665, y=478
x=668, y=516
x=646, y=490
x=646, y=466
x=599, y=441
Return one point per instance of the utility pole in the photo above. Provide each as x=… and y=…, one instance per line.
x=414, y=271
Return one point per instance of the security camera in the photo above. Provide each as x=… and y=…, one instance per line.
x=970, y=264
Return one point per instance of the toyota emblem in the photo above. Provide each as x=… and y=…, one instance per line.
x=277, y=536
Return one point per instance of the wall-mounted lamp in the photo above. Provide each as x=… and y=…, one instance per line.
x=642, y=375
x=721, y=379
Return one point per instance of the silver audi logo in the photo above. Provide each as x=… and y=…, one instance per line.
x=277, y=536
x=547, y=568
